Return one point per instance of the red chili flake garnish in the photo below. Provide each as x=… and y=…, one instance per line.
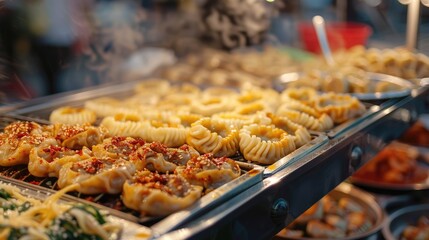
x=125, y=145
x=15, y=132
x=138, y=142
x=184, y=147
x=116, y=141
x=158, y=147
x=67, y=131
x=142, y=153
x=92, y=166
x=118, y=206
x=35, y=182
x=90, y=198
x=219, y=161
x=53, y=150
x=172, y=153
x=21, y=134
x=152, y=178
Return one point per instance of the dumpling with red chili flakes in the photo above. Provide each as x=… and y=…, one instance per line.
x=77, y=136
x=158, y=157
x=17, y=140
x=209, y=171
x=159, y=194
x=48, y=158
x=96, y=175
x=181, y=155
x=117, y=147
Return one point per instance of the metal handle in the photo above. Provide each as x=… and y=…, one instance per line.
x=319, y=26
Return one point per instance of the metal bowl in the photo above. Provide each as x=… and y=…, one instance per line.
x=364, y=199
x=282, y=82
x=401, y=218
x=373, y=184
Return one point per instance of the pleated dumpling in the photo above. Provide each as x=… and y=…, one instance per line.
x=48, y=158
x=153, y=86
x=265, y=144
x=96, y=175
x=300, y=133
x=212, y=105
x=209, y=171
x=340, y=107
x=302, y=94
x=159, y=194
x=234, y=119
x=321, y=123
x=106, y=106
x=300, y=106
x=335, y=82
x=126, y=125
x=117, y=147
x=158, y=157
x=17, y=140
x=72, y=115
x=77, y=136
x=170, y=134
x=209, y=135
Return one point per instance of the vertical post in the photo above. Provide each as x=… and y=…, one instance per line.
x=342, y=10
x=412, y=24
x=319, y=26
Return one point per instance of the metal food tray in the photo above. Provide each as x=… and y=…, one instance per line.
x=365, y=200
x=251, y=174
x=421, y=167
x=130, y=229
x=43, y=110
x=374, y=102
x=46, y=105
x=281, y=82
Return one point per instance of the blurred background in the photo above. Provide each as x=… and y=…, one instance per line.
x=52, y=46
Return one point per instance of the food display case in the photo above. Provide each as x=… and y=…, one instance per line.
x=263, y=197
x=263, y=206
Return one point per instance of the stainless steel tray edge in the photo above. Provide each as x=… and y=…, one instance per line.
x=74, y=98
x=281, y=82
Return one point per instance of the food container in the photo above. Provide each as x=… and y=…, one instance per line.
x=405, y=86
x=340, y=35
x=397, y=168
x=402, y=218
x=365, y=200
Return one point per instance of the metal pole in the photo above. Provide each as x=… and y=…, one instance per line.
x=412, y=24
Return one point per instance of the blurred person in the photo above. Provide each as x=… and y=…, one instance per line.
x=59, y=30
x=14, y=42
x=8, y=33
